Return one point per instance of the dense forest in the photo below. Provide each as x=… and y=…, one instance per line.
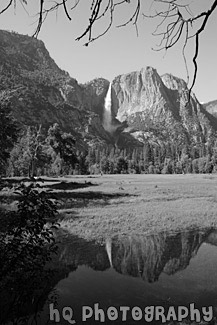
x=53, y=153
x=35, y=151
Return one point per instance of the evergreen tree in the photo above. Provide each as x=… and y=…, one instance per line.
x=82, y=163
x=122, y=165
x=63, y=144
x=90, y=158
x=147, y=155
x=8, y=131
x=104, y=165
x=195, y=168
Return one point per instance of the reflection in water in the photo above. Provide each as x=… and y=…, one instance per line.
x=108, y=247
x=162, y=269
x=147, y=257
x=140, y=256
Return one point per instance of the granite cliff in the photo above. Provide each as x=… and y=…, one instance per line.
x=146, y=100
x=144, y=106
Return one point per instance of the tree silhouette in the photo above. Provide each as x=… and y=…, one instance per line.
x=177, y=22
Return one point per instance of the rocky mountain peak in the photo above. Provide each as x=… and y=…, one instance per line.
x=136, y=92
x=98, y=86
x=149, y=74
x=24, y=52
x=211, y=107
x=44, y=94
x=173, y=82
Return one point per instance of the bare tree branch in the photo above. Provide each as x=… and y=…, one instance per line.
x=75, y=5
x=95, y=7
x=6, y=8
x=177, y=26
x=207, y=15
x=66, y=11
x=183, y=52
x=40, y=19
x=134, y=17
x=177, y=23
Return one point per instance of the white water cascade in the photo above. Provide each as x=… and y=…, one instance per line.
x=107, y=116
x=108, y=247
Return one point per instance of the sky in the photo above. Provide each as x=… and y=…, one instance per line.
x=120, y=50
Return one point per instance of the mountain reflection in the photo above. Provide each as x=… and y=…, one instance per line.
x=138, y=256
x=146, y=257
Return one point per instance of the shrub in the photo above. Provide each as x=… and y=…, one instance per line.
x=27, y=243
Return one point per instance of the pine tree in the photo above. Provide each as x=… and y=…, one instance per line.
x=63, y=144
x=8, y=131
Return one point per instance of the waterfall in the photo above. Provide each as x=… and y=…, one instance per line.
x=107, y=116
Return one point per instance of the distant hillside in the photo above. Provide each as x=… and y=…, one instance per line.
x=211, y=107
x=41, y=93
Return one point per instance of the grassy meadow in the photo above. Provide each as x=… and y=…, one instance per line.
x=95, y=207
x=108, y=205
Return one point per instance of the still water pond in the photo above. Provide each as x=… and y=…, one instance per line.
x=159, y=270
